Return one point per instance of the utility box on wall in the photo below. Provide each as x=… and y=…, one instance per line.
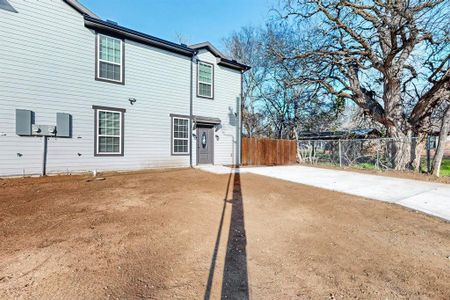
x=25, y=125
x=24, y=120
x=63, y=125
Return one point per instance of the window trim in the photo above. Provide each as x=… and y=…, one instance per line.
x=172, y=137
x=98, y=60
x=122, y=111
x=199, y=62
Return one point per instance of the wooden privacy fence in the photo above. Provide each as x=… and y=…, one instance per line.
x=268, y=152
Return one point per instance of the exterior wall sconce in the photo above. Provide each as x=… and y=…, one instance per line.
x=132, y=101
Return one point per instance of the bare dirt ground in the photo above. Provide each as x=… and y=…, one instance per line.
x=170, y=235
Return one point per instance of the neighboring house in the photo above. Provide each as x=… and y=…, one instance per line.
x=108, y=97
x=435, y=128
x=434, y=141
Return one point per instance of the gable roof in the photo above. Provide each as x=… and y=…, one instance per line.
x=92, y=21
x=222, y=59
x=209, y=47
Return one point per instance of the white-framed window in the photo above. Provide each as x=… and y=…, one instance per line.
x=109, y=132
x=180, y=135
x=109, y=58
x=205, y=78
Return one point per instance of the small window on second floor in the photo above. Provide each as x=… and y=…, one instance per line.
x=205, y=80
x=109, y=59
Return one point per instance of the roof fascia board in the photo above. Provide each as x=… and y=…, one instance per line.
x=92, y=21
x=106, y=27
x=80, y=8
x=233, y=65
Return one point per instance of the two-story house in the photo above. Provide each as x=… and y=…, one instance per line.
x=79, y=94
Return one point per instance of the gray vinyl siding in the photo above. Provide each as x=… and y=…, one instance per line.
x=48, y=66
x=227, y=89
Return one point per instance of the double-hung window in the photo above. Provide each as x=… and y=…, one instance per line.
x=205, y=80
x=180, y=136
x=109, y=132
x=109, y=58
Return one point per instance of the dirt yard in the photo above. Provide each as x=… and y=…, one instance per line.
x=170, y=235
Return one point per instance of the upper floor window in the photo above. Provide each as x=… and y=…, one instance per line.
x=109, y=58
x=205, y=80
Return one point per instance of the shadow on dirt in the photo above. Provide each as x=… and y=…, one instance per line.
x=235, y=276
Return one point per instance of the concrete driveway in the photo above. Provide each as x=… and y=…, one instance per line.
x=430, y=198
x=427, y=197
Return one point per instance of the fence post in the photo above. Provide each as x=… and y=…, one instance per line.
x=313, y=151
x=378, y=155
x=340, y=154
x=428, y=154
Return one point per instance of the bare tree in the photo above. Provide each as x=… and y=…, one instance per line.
x=183, y=39
x=275, y=103
x=390, y=57
x=247, y=46
x=443, y=133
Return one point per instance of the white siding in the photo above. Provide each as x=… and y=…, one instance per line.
x=227, y=90
x=48, y=66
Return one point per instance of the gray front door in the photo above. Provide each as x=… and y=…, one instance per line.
x=205, y=145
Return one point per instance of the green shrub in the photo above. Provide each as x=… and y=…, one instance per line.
x=445, y=167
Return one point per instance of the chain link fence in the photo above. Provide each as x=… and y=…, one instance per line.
x=359, y=153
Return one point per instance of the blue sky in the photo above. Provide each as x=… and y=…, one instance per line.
x=195, y=20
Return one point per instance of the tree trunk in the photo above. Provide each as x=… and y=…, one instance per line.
x=417, y=147
x=442, y=141
x=400, y=149
x=299, y=154
x=401, y=144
